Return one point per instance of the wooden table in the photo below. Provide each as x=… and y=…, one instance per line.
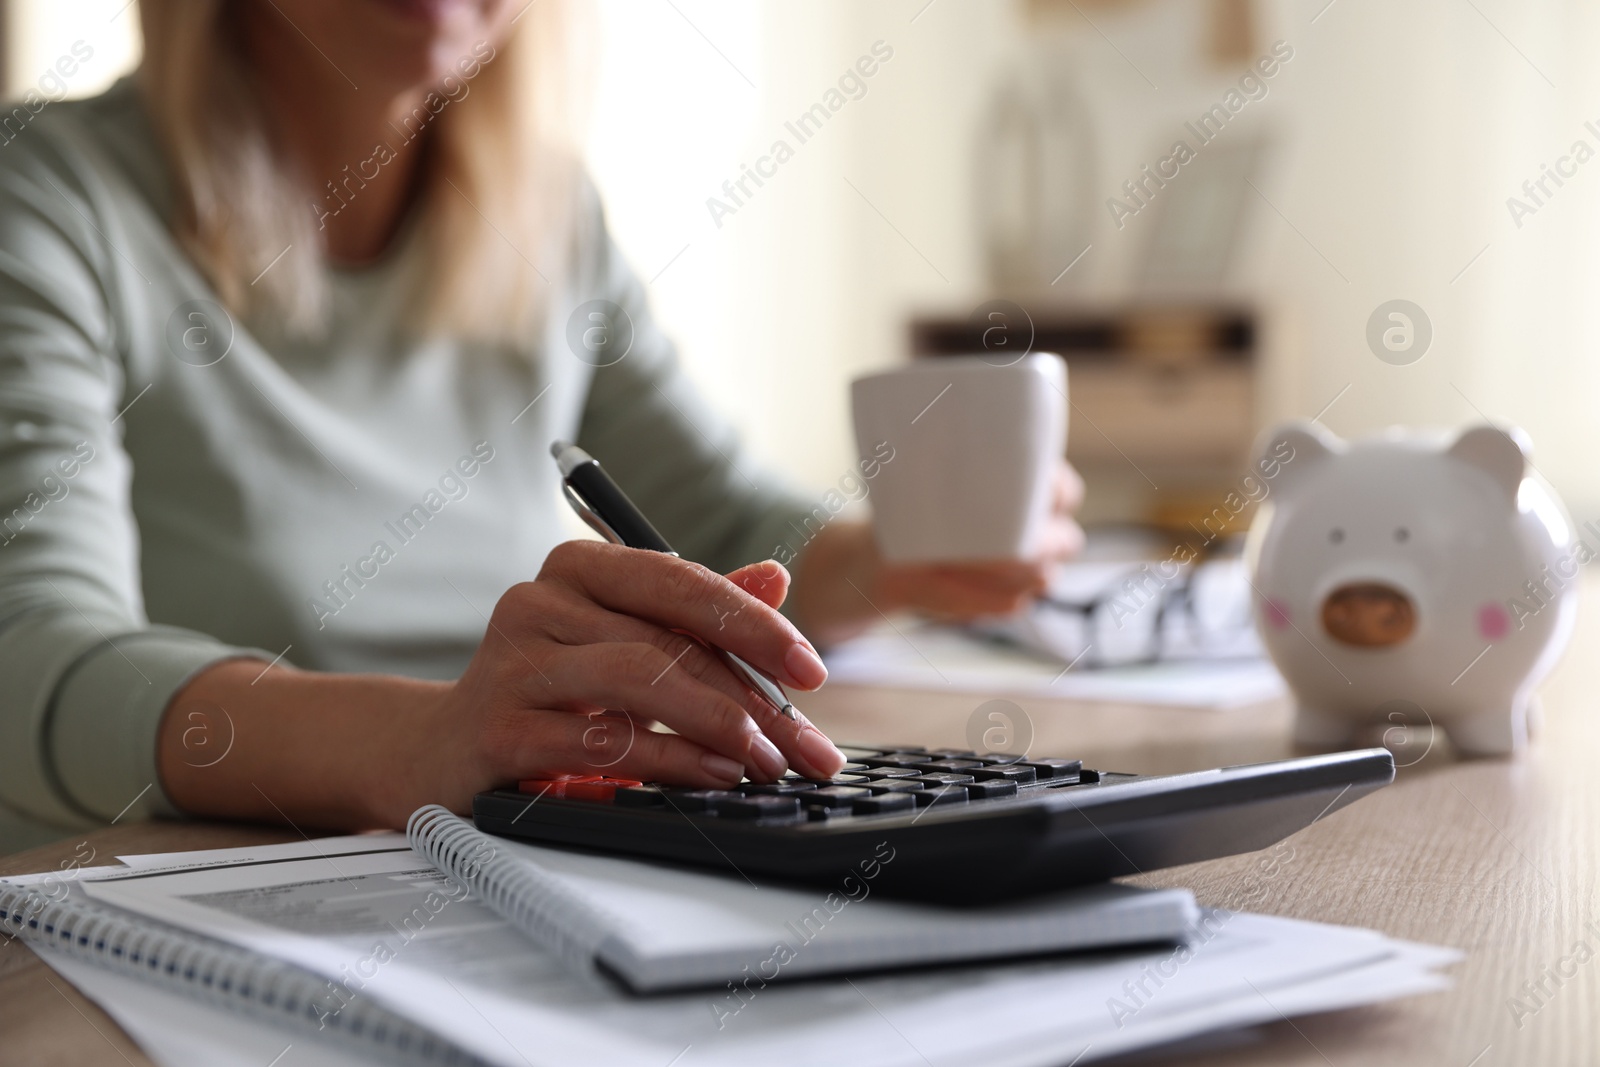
x=1497, y=858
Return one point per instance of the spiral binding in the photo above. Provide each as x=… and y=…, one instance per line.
x=548, y=910
x=218, y=973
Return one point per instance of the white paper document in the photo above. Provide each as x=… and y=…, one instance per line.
x=389, y=928
x=221, y=857
x=925, y=656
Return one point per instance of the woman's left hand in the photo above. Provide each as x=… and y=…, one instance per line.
x=842, y=583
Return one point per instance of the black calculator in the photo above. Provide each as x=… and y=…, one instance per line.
x=961, y=827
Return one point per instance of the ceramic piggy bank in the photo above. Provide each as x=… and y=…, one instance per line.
x=1412, y=571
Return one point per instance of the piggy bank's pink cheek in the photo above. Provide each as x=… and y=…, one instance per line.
x=1493, y=622
x=1276, y=612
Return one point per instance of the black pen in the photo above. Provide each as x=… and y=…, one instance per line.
x=606, y=508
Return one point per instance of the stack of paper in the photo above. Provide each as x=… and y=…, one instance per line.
x=477, y=982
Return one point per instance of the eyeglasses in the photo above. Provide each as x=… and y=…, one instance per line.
x=1137, y=616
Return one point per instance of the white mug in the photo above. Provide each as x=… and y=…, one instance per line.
x=975, y=449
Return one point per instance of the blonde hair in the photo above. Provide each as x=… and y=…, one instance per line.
x=496, y=198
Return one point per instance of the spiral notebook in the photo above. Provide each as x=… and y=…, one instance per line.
x=660, y=928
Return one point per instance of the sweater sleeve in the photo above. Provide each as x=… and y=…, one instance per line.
x=669, y=451
x=86, y=677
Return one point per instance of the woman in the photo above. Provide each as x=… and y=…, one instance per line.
x=284, y=325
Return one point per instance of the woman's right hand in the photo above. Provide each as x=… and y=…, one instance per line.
x=576, y=665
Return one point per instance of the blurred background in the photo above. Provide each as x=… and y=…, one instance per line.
x=985, y=158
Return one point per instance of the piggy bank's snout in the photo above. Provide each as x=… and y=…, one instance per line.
x=1368, y=615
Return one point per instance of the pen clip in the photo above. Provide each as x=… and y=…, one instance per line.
x=589, y=514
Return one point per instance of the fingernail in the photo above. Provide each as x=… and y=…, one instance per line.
x=820, y=752
x=722, y=768
x=765, y=755
x=804, y=667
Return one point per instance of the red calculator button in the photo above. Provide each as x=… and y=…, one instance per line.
x=599, y=790
x=553, y=787
x=591, y=787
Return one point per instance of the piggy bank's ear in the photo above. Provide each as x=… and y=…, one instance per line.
x=1501, y=454
x=1287, y=452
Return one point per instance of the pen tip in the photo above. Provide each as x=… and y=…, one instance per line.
x=558, y=446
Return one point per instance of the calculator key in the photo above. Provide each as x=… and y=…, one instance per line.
x=878, y=773
x=950, y=765
x=1054, y=768
x=949, y=794
x=1004, y=774
x=896, y=785
x=937, y=778
x=853, y=768
x=783, y=788
x=591, y=787
x=841, y=779
x=833, y=796
x=601, y=790
x=640, y=796
x=897, y=759
x=855, y=752
x=959, y=753
x=553, y=787
x=739, y=806
x=883, y=804
x=999, y=759
x=988, y=790
x=695, y=800
x=1064, y=783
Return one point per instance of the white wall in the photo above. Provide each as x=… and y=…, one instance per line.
x=1413, y=124
x=39, y=32
x=766, y=306
x=809, y=283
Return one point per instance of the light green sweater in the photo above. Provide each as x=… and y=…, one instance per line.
x=356, y=504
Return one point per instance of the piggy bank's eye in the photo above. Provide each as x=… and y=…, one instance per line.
x=1336, y=535
x=1402, y=534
